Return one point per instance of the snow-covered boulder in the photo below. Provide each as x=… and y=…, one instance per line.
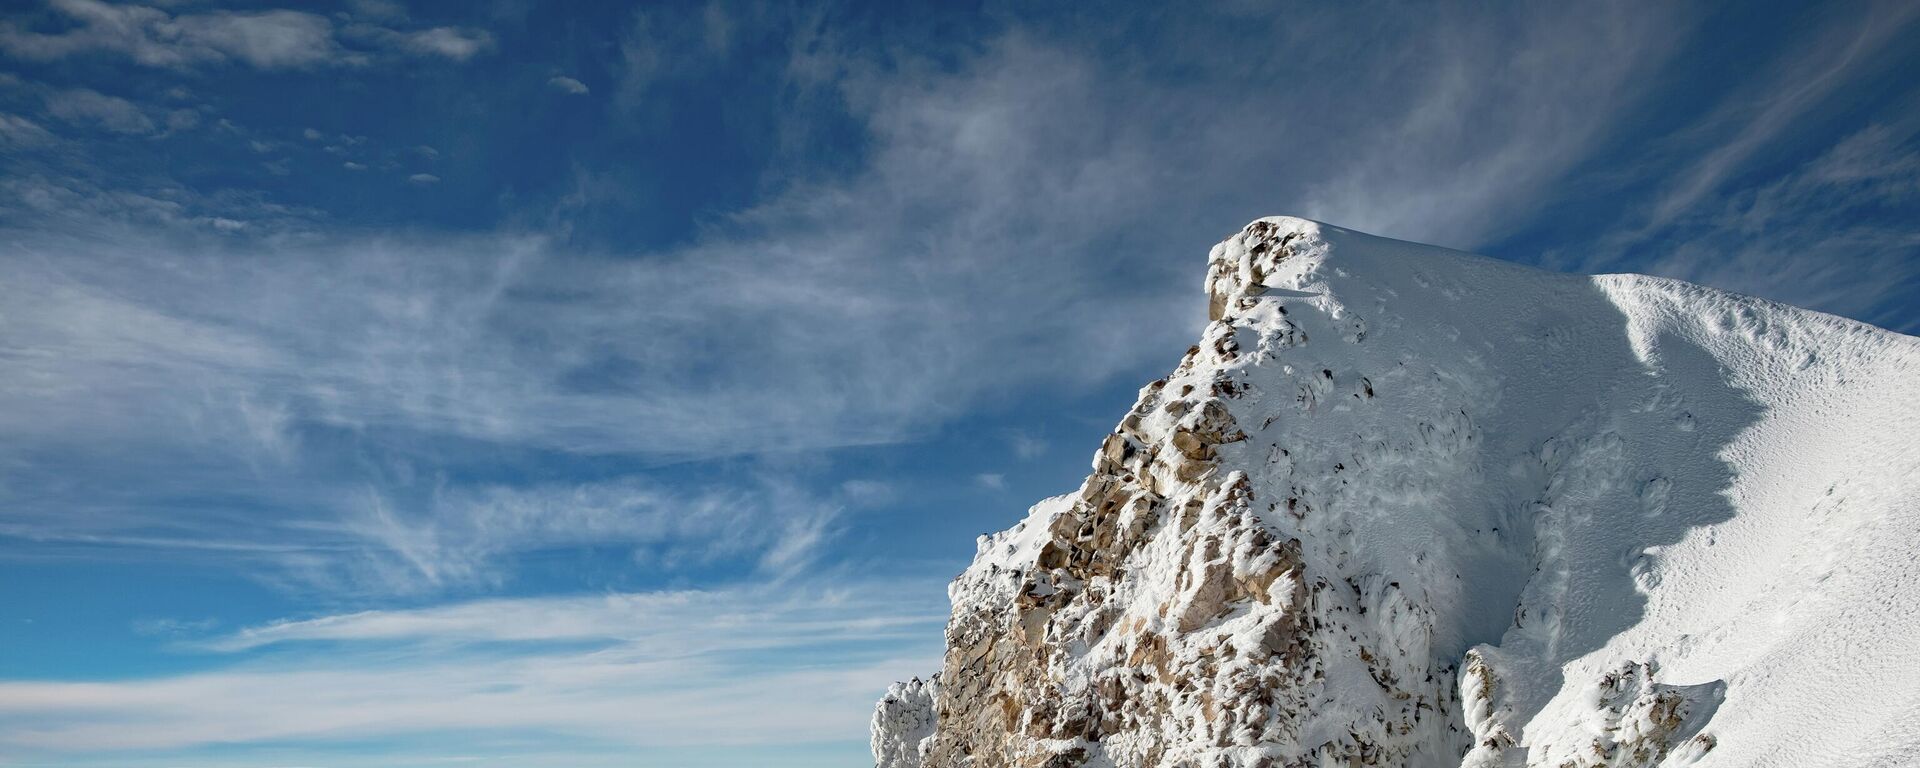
x=1404, y=506
x=903, y=721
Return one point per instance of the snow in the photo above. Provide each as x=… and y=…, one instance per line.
x=903, y=720
x=1642, y=522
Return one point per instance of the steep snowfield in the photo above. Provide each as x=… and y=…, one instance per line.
x=1408, y=506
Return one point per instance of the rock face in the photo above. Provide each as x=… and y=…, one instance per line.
x=1409, y=507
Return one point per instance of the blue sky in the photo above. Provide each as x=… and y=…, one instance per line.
x=401, y=384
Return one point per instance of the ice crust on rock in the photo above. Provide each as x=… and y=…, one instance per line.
x=1404, y=506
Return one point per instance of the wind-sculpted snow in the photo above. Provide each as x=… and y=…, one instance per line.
x=1407, y=506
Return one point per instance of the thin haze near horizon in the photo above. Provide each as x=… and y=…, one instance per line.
x=403, y=383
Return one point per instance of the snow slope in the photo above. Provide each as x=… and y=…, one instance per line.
x=1409, y=506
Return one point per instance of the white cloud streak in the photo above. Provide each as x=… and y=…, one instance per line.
x=567, y=85
x=152, y=37
x=1821, y=65
x=88, y=107
x=1483, y=116
x=274, y=39
x=661, y=669
x=449, y=42
x=1807, y=238
x=1027, y=446
x=465, y=534
x=1030, y=218
x=16, y=131
x=1820, y=234
x=671, y=624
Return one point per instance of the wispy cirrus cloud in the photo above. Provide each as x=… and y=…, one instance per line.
x=1052, y=252
x=87, y=106
x=1818, y=236
x=1827, y=231
x=468, y=534
x=670, y=624
x=154, y=37
x=372, y=542
x=17, y=131
x=1483, y=117
x=1072, y=189
x=206, y=419
x=754, y=665
x=275, y=39
x=454, y=43
x=1821, y=65
x=567, y=85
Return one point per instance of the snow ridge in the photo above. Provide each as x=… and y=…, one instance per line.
x=1409, y=506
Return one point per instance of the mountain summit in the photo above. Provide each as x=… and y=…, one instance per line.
x=1404, y=506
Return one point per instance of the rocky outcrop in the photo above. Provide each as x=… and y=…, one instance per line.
x=1356, y=526
x=1167, y=614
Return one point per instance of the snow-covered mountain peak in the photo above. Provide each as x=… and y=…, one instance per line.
x=1408, y=506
